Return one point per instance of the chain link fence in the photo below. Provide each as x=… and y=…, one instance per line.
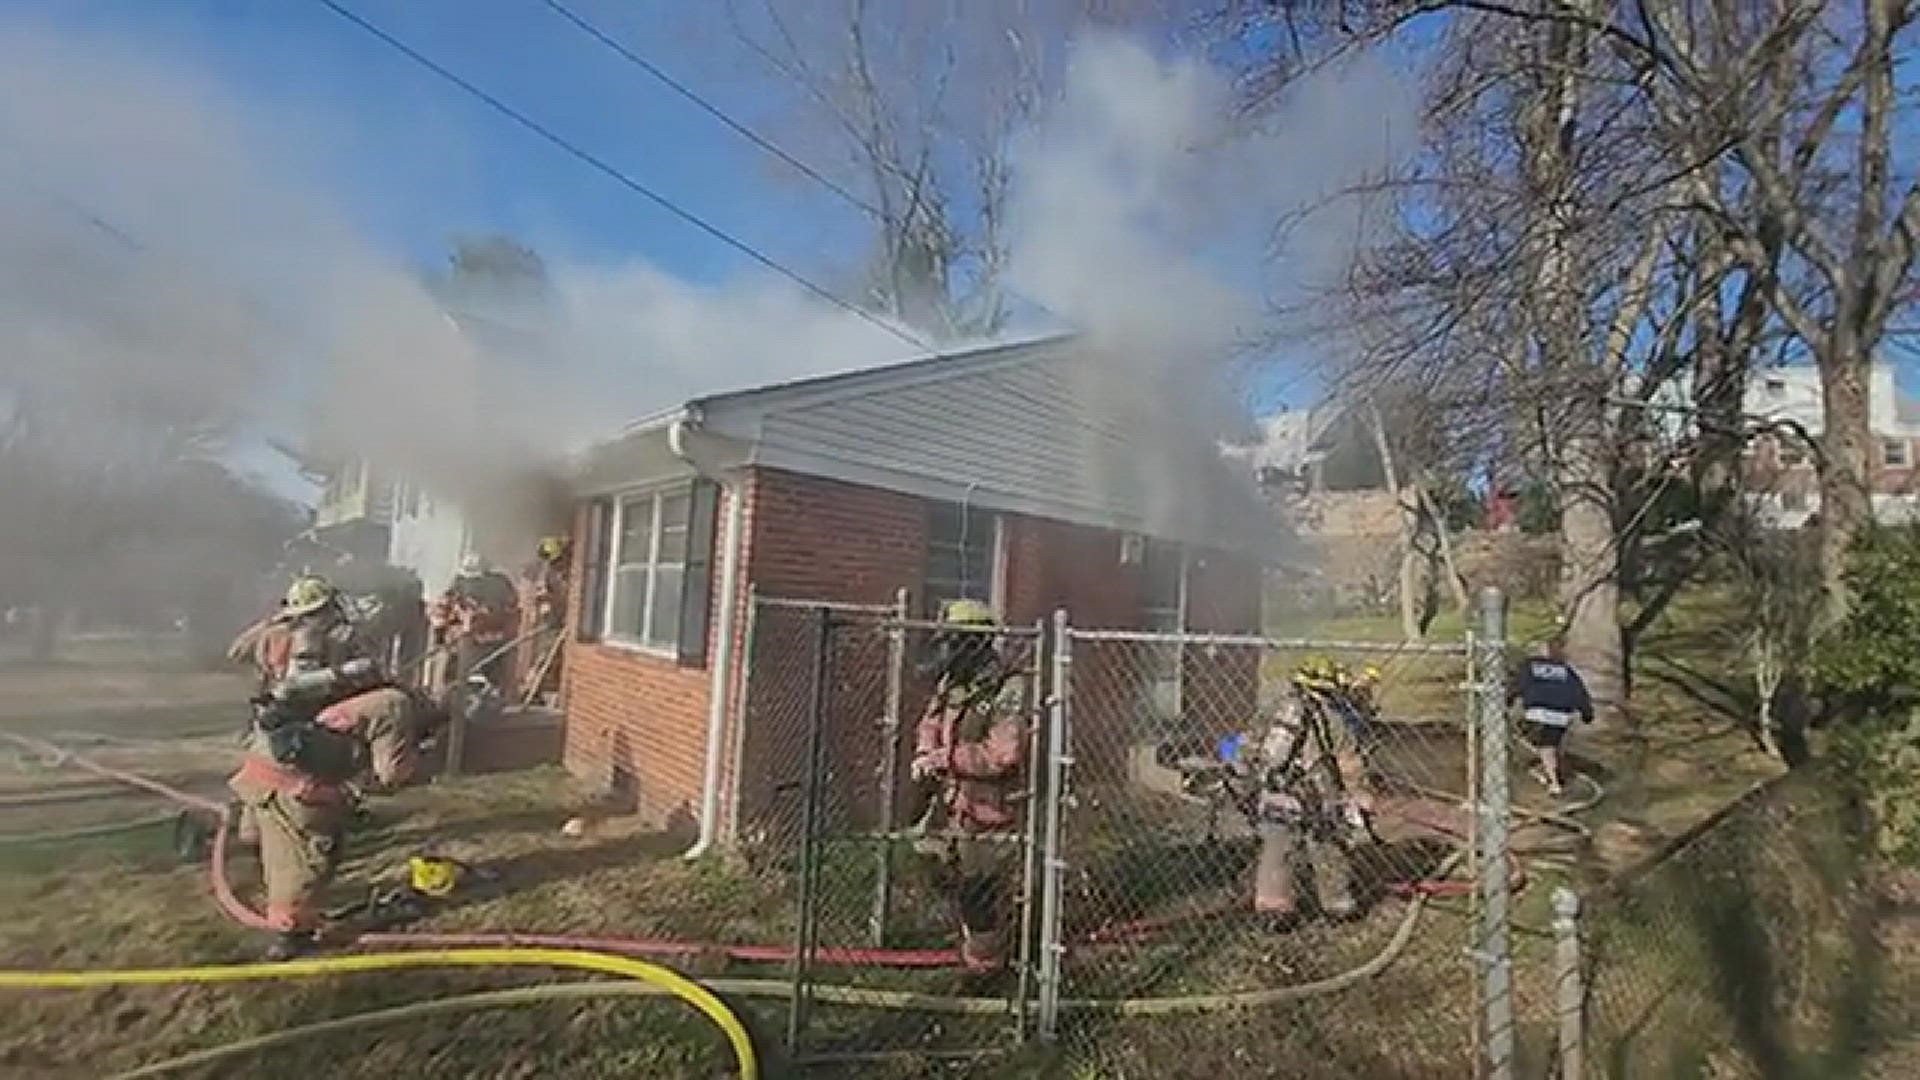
x=833, y=696
x=1746, y=947
x=1155, y=912
x=1196, y=928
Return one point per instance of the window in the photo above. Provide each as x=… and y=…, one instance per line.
x=649, y=568
x=597, y=533
x=1163, y=601
x=1776, y=388
x=1894, y=453
x=960, y=555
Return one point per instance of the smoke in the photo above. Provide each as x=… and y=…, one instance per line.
x=175, y=274
x=1143, y=213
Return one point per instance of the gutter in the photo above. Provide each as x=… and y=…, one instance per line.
x=721, y=661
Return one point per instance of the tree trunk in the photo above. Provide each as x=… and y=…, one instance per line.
x=1449, y=568
x=1846, y=502
x=1589, y=570
x=1410, y=625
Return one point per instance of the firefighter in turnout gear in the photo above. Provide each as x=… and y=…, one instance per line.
x=970, y=765
x=543, y=604
x=1305, y=815
x=477, y=616
x=326, y=719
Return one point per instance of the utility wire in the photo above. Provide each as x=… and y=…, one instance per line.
x=587, y=27
x=600, y=165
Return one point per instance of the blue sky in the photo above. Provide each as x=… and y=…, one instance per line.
x=416, y=160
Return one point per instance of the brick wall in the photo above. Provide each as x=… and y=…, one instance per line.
x=1221, y=686
x=636, y=722
x=639, y=720
x=820, y=539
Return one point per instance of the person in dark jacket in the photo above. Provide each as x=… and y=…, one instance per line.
x=1551, y=693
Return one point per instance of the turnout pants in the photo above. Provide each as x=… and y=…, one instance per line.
x=979, y=875
x=1289, y=850
x=300, y=845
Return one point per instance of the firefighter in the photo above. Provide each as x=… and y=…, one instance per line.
x=1345, y=699
x=546, y=582
x=326, y=722
x=543, y=601
x=969, y=762
x=476, y=616
x=1306, y=813
x=1551, y=693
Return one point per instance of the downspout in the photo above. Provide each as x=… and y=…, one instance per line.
x=721, y=662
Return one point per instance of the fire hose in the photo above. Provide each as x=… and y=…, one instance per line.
x=515, y=944
x=1435, y=884
x=666, y=981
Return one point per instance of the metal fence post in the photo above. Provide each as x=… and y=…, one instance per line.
x=891, y=729
x=1059, y=762
x=806, y=929
x=1491, y=950
x=1037, y=699
x=1569, y=982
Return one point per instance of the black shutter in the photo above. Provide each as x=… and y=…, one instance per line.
x=696, y=589
x=596, y=549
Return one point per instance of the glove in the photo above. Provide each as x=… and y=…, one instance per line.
x=931, y=765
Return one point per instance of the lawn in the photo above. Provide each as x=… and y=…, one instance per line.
x=124, y=900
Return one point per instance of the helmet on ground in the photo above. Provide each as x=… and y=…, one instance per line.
x=551, y=547
x=966, y=613
x=433, y=875
x=308, y=594
x=472, y=565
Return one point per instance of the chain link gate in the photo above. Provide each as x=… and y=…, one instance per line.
x=1155, y=949
x=1131, y=896
x=832, y=695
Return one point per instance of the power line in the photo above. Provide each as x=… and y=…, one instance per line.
x=587, y=27
x=601, y=165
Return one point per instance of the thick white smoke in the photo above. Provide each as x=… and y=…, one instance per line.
x=169, y=260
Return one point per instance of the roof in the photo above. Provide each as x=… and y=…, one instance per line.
x=1044, y=427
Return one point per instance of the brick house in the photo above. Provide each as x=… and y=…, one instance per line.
x=1781, y=473
x=991, y=474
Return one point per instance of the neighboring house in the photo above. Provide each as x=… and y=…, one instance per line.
x=394, y=519
x=988, y=474
x=353, y=514
x=1780, y=470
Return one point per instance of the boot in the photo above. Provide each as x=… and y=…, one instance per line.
x=980, y=950
x=289, y=944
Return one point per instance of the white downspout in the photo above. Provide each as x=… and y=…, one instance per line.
x=721, y=662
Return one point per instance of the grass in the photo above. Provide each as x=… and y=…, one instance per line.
x=123, y=901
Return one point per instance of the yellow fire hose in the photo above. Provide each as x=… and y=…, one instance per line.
x=667, y=981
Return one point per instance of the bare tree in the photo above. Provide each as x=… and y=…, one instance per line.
x=915, y=106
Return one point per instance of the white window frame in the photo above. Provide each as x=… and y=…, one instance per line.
x=616, y=558
x=993, y=588
x=1904, y=453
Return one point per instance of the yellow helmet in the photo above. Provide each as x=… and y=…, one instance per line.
x=1315, y=672
x=431, y=875
x=966, y=613
x=308, y=593
x=551, y=547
